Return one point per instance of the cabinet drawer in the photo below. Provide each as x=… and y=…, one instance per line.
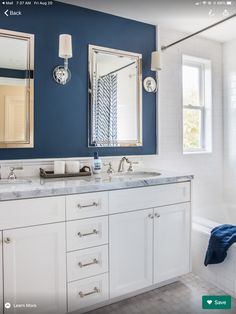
x=22, y=213
x=86, y=205
x=148, y=197
x=86, y=233
x=87, y=263
x=87, y=292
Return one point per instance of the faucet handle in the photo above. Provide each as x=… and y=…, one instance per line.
x=12, y=174
x=110, y=169
x=131, y=163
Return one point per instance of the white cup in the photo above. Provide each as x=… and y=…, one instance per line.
x=59, y=167
x=72, y=166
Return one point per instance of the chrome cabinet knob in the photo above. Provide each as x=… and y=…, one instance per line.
x=150, y=216
x=157, y=215
x=7, y=240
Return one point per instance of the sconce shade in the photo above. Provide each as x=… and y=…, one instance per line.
x=156, y=61
x=65, y=46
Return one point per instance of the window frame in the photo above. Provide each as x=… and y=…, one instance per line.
x=205, y=139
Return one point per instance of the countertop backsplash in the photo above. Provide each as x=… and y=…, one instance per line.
x=31, y=167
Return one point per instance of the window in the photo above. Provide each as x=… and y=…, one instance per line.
x=197, y=103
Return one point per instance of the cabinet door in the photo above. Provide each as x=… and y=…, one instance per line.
x=171, y=241
x=1, y=277
x=35, y=269
x=131, y=245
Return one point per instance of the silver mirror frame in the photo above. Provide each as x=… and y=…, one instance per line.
x=29, y=143
x=92, y=49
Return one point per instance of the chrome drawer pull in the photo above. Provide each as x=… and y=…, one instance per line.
x=87, y=234
x=95, y=261
x=89, y=205
x=95, y=290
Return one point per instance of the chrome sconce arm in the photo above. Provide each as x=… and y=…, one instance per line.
x=61, y=73
x=149, y=86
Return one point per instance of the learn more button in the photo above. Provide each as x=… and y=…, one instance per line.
x=216, y=302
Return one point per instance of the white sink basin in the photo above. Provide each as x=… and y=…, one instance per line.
x=15, y=181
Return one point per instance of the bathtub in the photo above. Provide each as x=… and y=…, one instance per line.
x=222, y=275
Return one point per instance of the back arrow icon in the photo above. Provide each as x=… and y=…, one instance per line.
x=6, y=13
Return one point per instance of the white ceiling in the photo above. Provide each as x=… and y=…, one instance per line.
x=181, y=15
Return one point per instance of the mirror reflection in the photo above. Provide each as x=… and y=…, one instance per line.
x=115, y=97
x=16, y=89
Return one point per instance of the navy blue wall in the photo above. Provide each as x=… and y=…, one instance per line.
x=61, y=112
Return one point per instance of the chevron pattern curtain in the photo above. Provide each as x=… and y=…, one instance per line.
x=105, y=113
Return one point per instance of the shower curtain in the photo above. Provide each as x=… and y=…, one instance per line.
x=106, y=110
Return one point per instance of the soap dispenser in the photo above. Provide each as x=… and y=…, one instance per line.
x=97, y=164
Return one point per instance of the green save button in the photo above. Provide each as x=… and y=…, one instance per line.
x=216, y=302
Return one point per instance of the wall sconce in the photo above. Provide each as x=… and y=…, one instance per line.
x=150, y=85
x=62, y=74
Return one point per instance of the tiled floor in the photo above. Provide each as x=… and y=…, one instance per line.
x=182, y=297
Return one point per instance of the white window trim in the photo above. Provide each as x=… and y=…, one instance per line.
x=206, y=101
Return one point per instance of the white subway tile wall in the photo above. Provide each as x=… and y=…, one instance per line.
x=207, y=168
x=229, y=88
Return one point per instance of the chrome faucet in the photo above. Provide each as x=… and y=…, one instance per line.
x=121, y=164
x=12, y=175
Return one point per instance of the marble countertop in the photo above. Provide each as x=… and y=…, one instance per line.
x=53, y=187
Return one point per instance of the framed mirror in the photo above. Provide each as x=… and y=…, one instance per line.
x=115, y=97
x=16, y=89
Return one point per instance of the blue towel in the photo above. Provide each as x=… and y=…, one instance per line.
x=222, y=237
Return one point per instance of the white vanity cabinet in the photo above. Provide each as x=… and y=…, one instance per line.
x=78, y=252
x=34, y=255
x=148, y=247
x=34, y=268
x=171, y=242
x=131, y=246
x=87, y=250
x=1, y=276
